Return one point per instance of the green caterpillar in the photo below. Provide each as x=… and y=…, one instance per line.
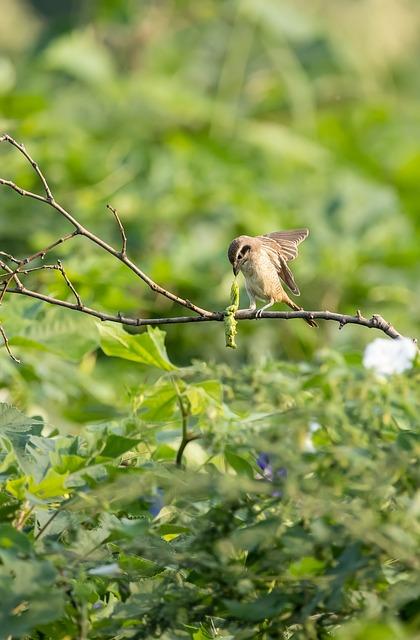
x=230, y=322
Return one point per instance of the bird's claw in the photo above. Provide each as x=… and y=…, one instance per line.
x=258, y=314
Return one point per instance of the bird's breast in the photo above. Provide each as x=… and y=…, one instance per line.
x=262, y=279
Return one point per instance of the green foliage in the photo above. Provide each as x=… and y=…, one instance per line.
x=104, y=536
x=146, y=349
x=294, y=510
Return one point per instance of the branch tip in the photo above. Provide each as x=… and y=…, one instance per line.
x=7, y=346
x=123, y=252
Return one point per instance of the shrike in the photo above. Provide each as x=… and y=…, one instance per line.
x=263, y=261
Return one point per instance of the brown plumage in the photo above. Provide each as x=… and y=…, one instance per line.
x=263, y=261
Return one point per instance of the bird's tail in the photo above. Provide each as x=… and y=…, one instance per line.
x=296, y=307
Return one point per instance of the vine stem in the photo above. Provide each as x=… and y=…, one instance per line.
x=186, y=436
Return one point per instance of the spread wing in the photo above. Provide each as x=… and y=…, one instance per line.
x=282, y=246
x=288, y=241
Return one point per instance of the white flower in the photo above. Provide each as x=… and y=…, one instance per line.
x=308, y=444
x=386, y=357
x=105, y=570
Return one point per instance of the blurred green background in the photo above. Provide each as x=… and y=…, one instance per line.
x=200, y=121
x=203, y=120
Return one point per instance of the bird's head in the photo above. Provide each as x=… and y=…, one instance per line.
x=239, y=252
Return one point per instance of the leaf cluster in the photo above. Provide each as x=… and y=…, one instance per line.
x=293, y=517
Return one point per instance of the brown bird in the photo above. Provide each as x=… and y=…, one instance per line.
x=263, y=261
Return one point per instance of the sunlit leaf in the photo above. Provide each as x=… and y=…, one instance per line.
x=147, y=348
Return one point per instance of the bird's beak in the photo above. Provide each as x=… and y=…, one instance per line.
x=235, y=269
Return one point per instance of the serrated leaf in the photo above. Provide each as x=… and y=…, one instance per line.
x=147, y=348
x=16, y=429
x=52, y=486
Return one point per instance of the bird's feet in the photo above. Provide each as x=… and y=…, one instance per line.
x=258, y=314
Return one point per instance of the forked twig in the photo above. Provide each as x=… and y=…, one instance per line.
x=121, y=228
x=69, y=284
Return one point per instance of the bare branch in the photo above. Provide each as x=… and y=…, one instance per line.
x=6, y=344
x=69, y=284
x=121, y=228
x=8, y=256
x=41, y=254
x=13, y=275
x=375, y=322
x=5, y=286
x=81, y=230
x=41, y=267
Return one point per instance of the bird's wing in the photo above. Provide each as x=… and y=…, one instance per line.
x=287, y=241
x=283, y=270
x=282, y=246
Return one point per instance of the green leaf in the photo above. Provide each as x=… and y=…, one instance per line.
x=116, y=445
x=138, y=567
x=307, y=566
x=147, y=348
x=29, y=596
x=17, y=487
x=160, y=404
x=13, y=542
x=164, y=452
x=265, y=607
x=197, y=398
x=16, y=430
x=213, y=388
x=52, y=486
x=238, y=463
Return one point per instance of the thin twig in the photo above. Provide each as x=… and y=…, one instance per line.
x=5, y=285
x=10, y=271
x=121, y=228
x=184, y=425
x=41, y=254
x=25, y=272
x=6, y=344
x=8, y=256
x=21, y=148
x=49, y=521
x=23, y=516
x=69, y=284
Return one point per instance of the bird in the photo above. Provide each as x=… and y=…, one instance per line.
x=263, y=262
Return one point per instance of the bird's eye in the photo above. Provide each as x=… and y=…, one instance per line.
x=244, y=251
